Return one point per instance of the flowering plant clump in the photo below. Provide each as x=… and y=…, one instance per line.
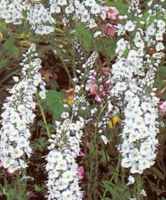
x=41, y=18
x=64, y=145
x=84, y=117
x=139, y=130
x=19, y=114
x=63, y=179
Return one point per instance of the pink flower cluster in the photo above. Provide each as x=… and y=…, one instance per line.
x=112, y=17
x=98, y=84
x=162, y=107
x=81, y=172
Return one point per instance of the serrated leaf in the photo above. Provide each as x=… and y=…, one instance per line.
x=54, y=101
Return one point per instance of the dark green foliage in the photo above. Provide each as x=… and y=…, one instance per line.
x=54, y=102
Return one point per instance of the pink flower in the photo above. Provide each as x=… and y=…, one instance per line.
x=110, y=30
x=112, y=13
x=93, y=89
x=81, y=172
x=10, y=171
x=162, y=107
x=105, y=71
x=98, y=99
x=81, y=154
x=98, y=85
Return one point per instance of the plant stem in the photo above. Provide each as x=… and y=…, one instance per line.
x=43, y=116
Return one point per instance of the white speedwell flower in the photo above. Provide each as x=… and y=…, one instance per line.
x=12, y=11
x=40, y=19
x=63, y=179
x=139, y=133
x=85, y=11
x=64, y=148
x=133, y=76
x=18, y=114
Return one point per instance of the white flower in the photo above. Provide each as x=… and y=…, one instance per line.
x=40, y=19
x=84, y=11
x=12, y=12
x=63, y=179
x=130, y=85
x=129, y=26
x=62, y=2
x=160, y=46
x=161, y=24
x=16, y=78
x=143, y=192
x=131, y=180
x=140, y=135
x=69, y=9
x=18, y=115
x=97, y=33
x=122, y=45
x=139, y=43
x=62, y=174
x=104, y=139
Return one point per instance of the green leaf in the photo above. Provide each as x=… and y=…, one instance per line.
x=106, y=46
x=38, y=188
x=160, y=81
x=162, y=72
x=3, y=26
x=121, y=5
x=10, y=47
x=84, y=36
x=118, y=191
x=54, y=102
x=40, y=144
x=3, y=63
